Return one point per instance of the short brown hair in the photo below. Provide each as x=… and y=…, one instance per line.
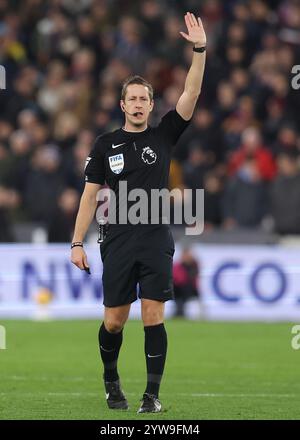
x=136, y=79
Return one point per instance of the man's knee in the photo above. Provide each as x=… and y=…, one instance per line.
x=115, y=318
x=113, y=325
x=152, y=312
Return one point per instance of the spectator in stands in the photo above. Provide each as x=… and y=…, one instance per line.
x=61, y=223
x=75, y=163
x=286, y=139
x=213, y=194
x=9, y=199
x=20, y=155
x=129, y=43
x=197, y=164
x=171, y=48
x=273, y=122
x=285, y=194
x=206, y=132
x=226, y=101
x=245, y=199
x=185, y=276
x=253, y=148
x=44, y=184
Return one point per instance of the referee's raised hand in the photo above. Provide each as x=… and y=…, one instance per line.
x=196, y=33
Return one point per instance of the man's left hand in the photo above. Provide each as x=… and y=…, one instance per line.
x=196, y=33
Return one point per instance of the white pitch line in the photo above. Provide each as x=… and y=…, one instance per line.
x=78, y=394
x=57, y=394
x=90, y=379
x=48, y=378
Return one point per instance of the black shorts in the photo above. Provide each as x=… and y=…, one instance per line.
x=137, y=254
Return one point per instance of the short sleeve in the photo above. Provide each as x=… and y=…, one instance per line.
x=94, y=166
x=171, y=126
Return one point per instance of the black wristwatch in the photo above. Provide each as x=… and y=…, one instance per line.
x=199, y=49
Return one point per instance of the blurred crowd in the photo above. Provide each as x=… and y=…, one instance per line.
x=65, y=62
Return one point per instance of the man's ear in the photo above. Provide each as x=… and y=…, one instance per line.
x=151, y=105
x=122, y=105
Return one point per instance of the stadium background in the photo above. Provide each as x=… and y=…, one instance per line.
x=65, y=61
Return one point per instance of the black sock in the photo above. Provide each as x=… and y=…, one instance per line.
x=155, y=351
x=110, y=344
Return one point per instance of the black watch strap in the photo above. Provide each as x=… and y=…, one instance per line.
x=76, y=243
x=199, y=49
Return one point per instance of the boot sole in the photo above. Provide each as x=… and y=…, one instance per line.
x=118, y=405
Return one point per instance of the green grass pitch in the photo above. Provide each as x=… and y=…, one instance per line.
x=52, y=370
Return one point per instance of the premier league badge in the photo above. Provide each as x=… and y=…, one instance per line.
x=148, y=155
x=116, y=163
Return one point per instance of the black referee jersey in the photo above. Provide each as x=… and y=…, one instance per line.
x=142, y=159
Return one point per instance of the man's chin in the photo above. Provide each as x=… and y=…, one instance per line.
x=138, y=124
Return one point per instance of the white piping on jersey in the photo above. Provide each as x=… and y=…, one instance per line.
x=133, y=131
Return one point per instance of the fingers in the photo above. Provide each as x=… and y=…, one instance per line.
x=191, y=21
x=85, y=262
x=185, y=35
x=78, y=263
x=200, y=22
x=79, y=258
x=187, y=22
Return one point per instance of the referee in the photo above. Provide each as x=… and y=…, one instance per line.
x=137, y=253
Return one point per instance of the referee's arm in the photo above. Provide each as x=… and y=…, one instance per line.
x=196, y=35
x=86, y=212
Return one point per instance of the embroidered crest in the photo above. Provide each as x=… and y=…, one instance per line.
x=148, y=155
x=116, y=163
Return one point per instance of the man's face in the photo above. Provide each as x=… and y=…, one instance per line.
x=137, y=104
